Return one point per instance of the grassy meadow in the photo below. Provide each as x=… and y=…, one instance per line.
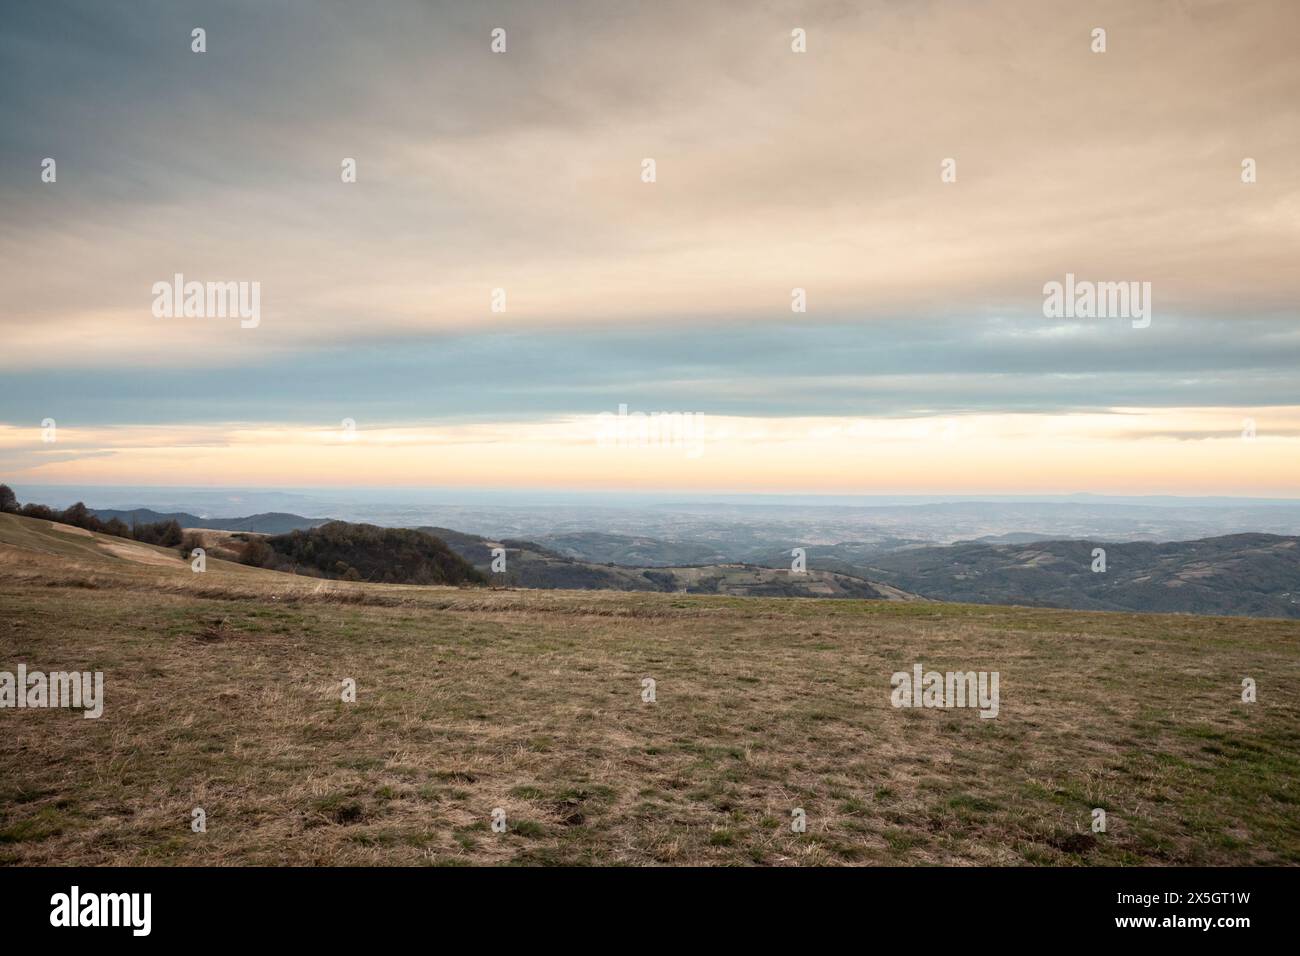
x=223, y=691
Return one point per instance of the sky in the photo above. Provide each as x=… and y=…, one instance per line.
x=923, y=362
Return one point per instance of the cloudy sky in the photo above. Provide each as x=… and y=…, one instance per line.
x=923, y=362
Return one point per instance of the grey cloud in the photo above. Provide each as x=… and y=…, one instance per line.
x=872, y=368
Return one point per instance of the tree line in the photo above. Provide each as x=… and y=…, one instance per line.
x=167, y=534
x=362, y=552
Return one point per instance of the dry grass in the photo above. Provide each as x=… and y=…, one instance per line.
x=223, y=692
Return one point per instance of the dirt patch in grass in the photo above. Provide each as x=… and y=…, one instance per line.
x=71, y=529
x=139, y=553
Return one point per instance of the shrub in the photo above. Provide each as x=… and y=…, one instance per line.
x=191, y=541
x=256, y=552
x=166, y=534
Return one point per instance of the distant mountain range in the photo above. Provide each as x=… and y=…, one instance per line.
x=638, y=551
x=1238, y=574
x=275, y=522
x=646, y=551
x=1255, y=575
x=531, y=565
